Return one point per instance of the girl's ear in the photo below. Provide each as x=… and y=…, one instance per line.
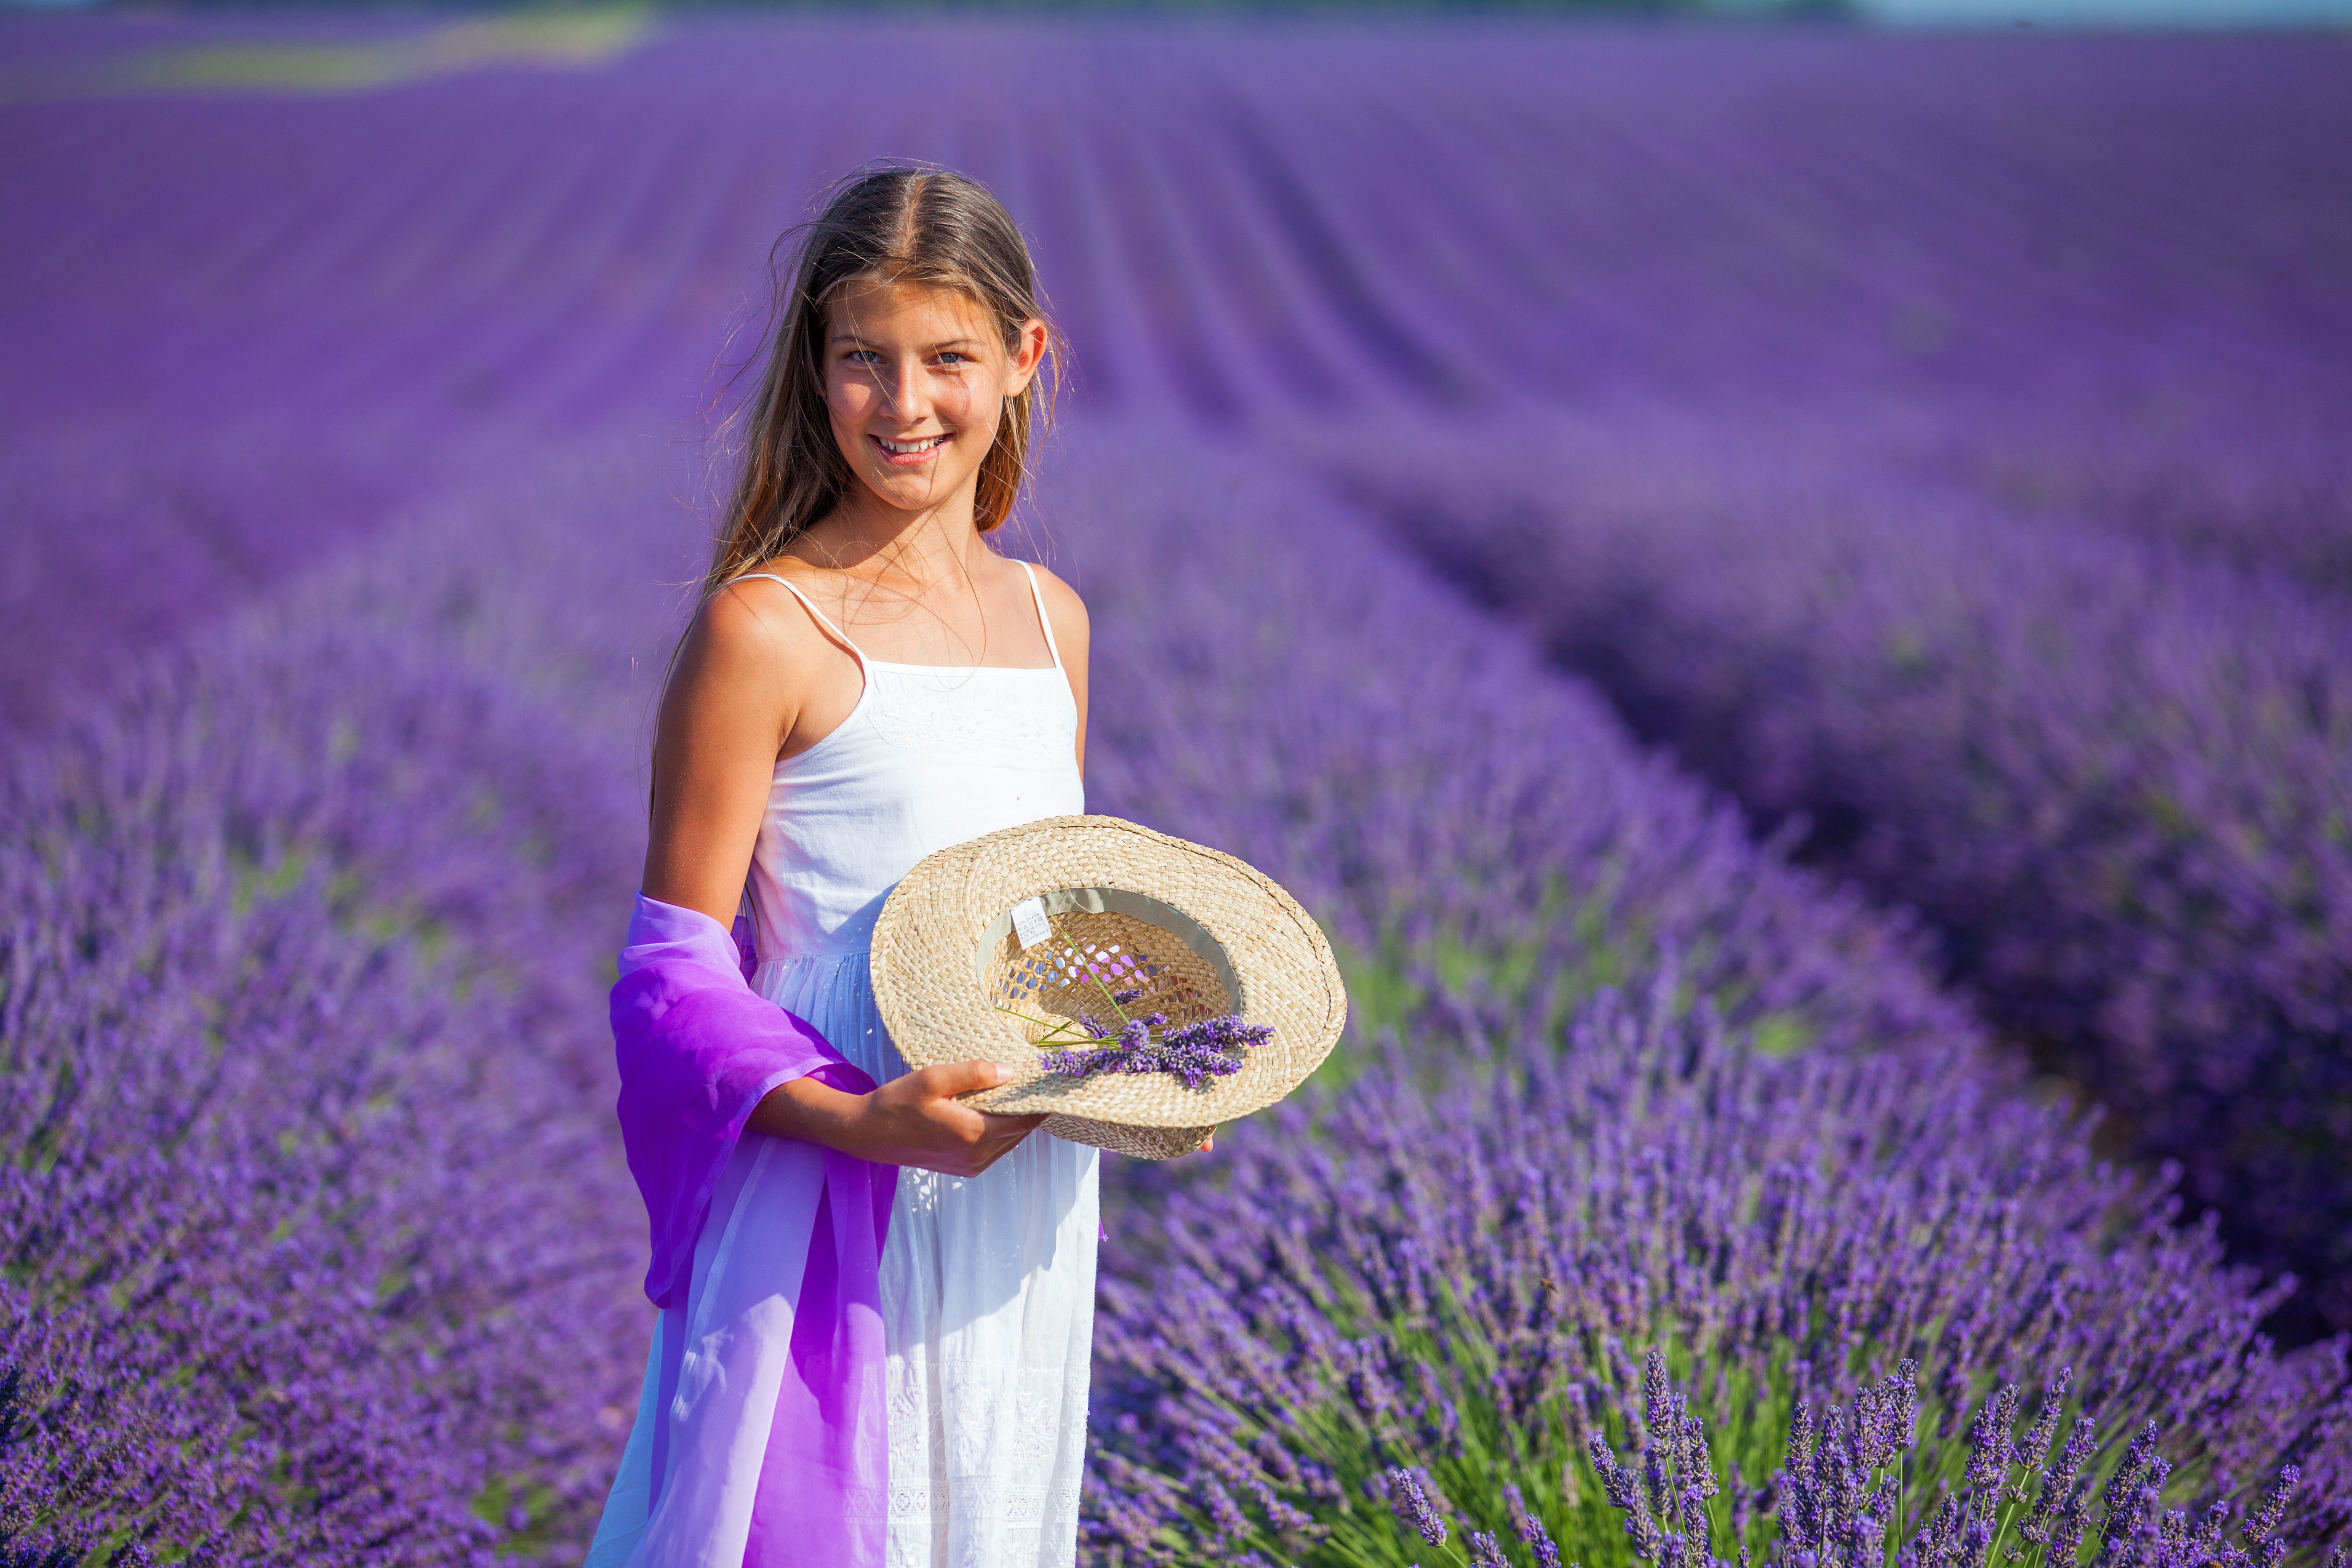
x=1028, y=353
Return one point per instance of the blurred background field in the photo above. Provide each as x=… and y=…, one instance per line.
x=1781, y=590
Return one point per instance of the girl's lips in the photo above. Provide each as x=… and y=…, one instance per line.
x=909, y=454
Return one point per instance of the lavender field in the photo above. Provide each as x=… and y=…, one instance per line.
x=1785, y=596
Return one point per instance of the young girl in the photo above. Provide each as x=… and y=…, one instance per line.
x=867, y=681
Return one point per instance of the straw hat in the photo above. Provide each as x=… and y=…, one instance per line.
x=1203, y=934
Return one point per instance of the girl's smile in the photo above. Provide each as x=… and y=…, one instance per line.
x=913, y=451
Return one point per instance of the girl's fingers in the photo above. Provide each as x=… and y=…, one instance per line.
x=961, y=1078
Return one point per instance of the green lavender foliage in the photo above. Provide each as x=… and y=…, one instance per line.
x=1778, y=1473
x=1834, y=1264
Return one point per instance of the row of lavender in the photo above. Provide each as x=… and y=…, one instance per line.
x=2099, y=282
x=1809, y=430
x=1457, y=1283
x=1465, y=823
x=2117, y=776
x=1423, y=1315
x=2100, y=278
x=318, y=1235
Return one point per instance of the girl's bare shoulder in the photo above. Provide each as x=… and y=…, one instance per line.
x=755, y=618
x=1061, y=601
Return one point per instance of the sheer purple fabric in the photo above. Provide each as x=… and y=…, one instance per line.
x=697, y=1050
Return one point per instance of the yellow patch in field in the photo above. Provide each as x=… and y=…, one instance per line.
x=551, y=40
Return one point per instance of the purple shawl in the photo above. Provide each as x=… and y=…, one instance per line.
x=697, y=1050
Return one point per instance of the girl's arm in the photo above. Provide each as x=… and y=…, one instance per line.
x=732, y=703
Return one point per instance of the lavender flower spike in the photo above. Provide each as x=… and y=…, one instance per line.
x=1529, y=1528
x=1413, y=1506
x=1486, y=1551
x=1211, y=1048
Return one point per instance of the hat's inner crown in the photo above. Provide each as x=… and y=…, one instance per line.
x=1105, y=944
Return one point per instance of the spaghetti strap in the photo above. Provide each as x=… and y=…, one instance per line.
x=1044, y=620
x=826, y=621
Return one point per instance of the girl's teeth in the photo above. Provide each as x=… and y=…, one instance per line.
x=906, y=449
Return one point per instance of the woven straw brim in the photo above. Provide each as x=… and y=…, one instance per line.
x=1202, y=933
x=1139, y=1143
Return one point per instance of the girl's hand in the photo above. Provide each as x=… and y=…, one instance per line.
x=911, y=1121
x=916, y=1121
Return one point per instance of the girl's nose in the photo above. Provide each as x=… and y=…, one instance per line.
x=907, y=389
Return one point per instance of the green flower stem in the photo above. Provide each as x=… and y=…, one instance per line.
x=1054, y=1034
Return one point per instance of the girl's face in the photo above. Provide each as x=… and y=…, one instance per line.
x=915, y=378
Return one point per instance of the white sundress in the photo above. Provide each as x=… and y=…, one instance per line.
x=987, y=1282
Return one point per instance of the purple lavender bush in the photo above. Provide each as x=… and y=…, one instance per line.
x=2277, y=498
x=1858, y=1486
x=75, y=1425
x=114, y=544
x=2097, y=281
x=310, y=1101
x=1273, y=678
x=2118, y=777
x=1462, y=1284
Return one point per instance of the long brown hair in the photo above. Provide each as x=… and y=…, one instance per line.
x=900, y=224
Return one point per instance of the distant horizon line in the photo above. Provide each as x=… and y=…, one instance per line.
x=1954, y=16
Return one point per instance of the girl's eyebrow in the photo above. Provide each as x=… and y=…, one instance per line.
x=933, y=348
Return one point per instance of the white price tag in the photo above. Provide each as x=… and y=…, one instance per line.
x=1029, y=922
